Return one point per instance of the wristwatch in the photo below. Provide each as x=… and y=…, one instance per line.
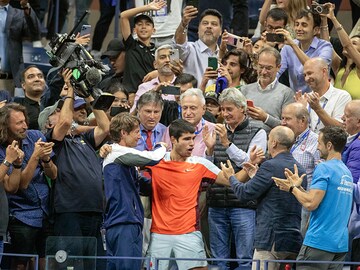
x=6, y=163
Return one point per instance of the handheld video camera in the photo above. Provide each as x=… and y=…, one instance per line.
x=87, y=72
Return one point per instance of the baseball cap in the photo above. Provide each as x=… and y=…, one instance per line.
x=78, y=102
x=45, y=113
x=143, y=16
x=211, y=96
x=115, y=47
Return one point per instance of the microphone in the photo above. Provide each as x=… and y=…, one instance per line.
x=93, y=76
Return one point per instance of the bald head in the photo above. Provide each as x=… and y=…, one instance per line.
x=299, y=110
x=316, y=62
x=284, y=137
x=351, y=117
x=354, y=108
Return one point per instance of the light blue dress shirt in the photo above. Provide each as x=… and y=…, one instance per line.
x=289, y=60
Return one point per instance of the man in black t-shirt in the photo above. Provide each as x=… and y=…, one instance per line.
x=78, y=195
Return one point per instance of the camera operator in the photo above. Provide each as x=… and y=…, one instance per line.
x=78, y=196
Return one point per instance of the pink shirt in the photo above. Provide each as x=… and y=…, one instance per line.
x=147, y=86
x=199, y=147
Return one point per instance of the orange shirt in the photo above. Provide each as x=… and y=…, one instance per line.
x=175, y=193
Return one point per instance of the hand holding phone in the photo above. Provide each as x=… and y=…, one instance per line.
x=213, y=62
x=250, y=103
x=174, y=55
x=273, y=37
x=85, y=30
x=235, y=41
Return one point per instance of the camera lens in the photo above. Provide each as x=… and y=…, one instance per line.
x=319, y=9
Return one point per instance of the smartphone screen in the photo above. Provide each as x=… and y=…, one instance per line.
x=85, y=29
x=213, y=62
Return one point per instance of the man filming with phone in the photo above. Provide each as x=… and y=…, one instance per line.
x=195, y=54
x=306, y=45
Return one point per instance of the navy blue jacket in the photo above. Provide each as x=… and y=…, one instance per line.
x=123, y=183
x=278, y=215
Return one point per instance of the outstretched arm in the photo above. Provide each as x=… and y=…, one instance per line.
x=128, y=14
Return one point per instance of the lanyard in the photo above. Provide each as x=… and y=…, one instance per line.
x=144, y=139
x=202, y=126
x=179, y=111
x=318, y=122
x=305, y=136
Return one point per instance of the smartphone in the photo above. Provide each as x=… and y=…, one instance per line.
x=194, y=3
x=170, y=90
x=103, y=102
x=273, y=37
x=235, y=41
x=85, y=30
x=213, y=62
x=116, y=110
x=250, y=103
x=174, y=55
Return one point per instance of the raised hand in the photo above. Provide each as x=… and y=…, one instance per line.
x=294, y=177
x=250, y=168
x=314, y=100
x=299, y=97
x=257, y=155
x=82, y=40
x=221, y=130
x=12, y=152
x=156, y=5
x=209, y=139
x=257, y=113
x=177, y=67
x=228, y=169
x=223, y=71
x=105, y=150
x=189, y=13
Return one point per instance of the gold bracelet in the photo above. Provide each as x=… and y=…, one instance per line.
x=339, y=28
x=324, y=27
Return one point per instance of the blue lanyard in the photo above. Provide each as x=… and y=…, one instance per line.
x=144, y=139
x=179, y=111
x=299, y=142
x=202, y=126
x=318, y=122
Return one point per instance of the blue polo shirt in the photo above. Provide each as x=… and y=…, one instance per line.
x=30, y=205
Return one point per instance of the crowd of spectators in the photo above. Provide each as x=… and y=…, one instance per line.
x=215, y=145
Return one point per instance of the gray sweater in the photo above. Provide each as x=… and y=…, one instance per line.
x=272, y=100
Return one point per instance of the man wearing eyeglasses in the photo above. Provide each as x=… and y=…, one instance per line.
x=267, y=115
x=275, y=19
